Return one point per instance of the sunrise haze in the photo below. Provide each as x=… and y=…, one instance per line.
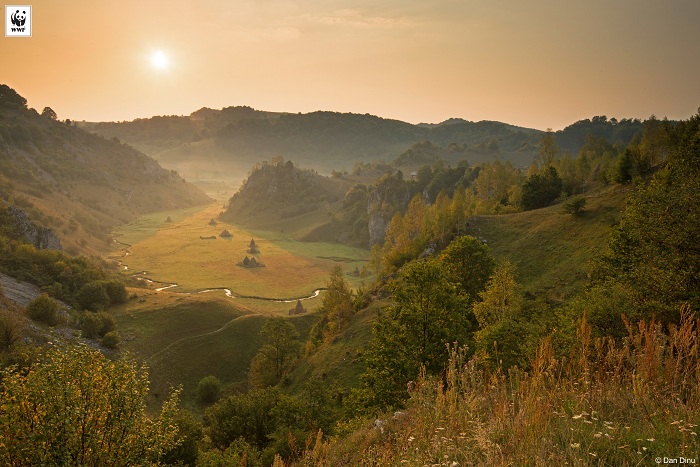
x=537, y=64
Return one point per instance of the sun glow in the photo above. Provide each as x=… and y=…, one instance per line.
x=159, y=60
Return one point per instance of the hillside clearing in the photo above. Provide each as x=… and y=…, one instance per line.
x=550, y=249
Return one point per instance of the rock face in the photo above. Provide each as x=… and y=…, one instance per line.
x=18, y=291
x=384, y=201
x=41, y=237
x=377, y=227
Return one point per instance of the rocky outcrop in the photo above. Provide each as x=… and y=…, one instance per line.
x=388, y=197
x=41, y=237
x=18, y=291
x=377, y=227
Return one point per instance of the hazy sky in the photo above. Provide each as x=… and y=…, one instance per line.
x=534, y=63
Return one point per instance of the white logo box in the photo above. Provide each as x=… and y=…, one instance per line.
x=18, y=21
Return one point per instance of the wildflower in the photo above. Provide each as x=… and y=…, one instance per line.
x=575, y=445
x=651, y=440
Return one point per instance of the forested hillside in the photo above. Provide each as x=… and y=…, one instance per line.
x=508, y=315
x=76, y=183
x=528, y=375
x=233, y=138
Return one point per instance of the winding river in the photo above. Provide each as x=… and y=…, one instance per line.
x=227, y=292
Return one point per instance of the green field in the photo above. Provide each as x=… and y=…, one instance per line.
x=174, y=252
x=183, y=338
x=550, y=249
x=194, y=330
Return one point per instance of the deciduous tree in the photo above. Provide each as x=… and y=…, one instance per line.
x=281, y=348
x=430, y=312
x=76, y=407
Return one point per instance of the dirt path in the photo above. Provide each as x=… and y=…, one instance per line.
x=18, y=291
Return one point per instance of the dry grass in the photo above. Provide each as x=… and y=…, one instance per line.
x=607, y=404
x=175, y=253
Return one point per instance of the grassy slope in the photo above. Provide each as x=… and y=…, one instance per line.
x=339, y=362
x=551, y=249
x=79, y=184
x=182, y=338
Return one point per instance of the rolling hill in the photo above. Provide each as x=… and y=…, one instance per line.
x=77, y=183
x=222, y=144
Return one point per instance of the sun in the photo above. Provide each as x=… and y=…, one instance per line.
x=159, y=60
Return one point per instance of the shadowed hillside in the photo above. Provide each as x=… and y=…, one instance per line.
x=79, y=184
x=235, y=137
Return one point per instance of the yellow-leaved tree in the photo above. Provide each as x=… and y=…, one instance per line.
x=76, y=407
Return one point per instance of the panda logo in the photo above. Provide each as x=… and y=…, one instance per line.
x=18, y=19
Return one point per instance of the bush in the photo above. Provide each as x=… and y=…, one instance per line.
x=111, y=340
x=43, y=308
x=10, y=331
x=190, y=433
x=96, y=324
x=575, y=206
x=541, y=189
x=208, y=389
x=76, y=407
x=93, y=296
x=116, y=292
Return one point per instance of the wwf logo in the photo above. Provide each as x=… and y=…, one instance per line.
x=18, y=21
x=18, y=18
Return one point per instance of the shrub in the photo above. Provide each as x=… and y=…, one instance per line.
x=43, y=308
x=116, y=291
x=93, y=296
x=541, y=189
x=575, y=206
x=111, y=340
x=208, y=389
x=10, y=331
x=189, y=433
x=76, y=407
x=95, y=325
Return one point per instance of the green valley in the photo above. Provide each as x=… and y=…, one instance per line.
x=493, y=295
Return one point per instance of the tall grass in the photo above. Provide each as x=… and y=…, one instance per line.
x=607, y=403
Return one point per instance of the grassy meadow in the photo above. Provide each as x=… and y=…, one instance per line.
x=174, y=252
x=536, y=241
x=205, y=334
x=196, y=324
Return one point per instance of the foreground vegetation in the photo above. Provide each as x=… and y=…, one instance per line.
x=606, y=403
x=461, y=351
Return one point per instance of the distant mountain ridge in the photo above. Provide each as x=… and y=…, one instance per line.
x=76, y=183
x=234, y=138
